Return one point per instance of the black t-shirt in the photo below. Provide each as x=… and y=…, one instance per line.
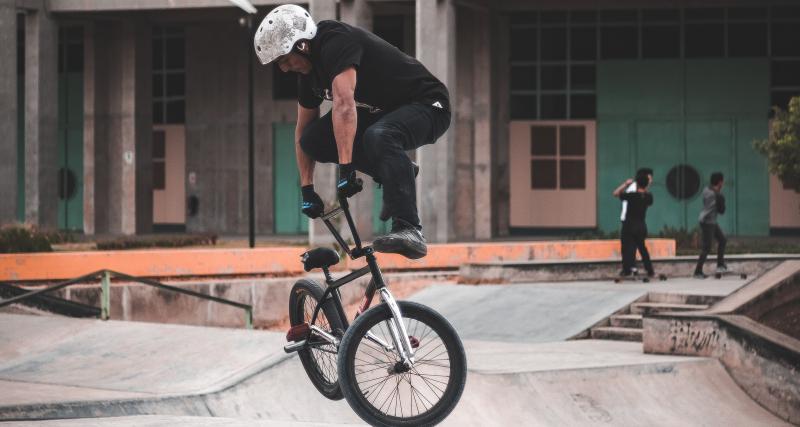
x=386, y=78
x=637, y=205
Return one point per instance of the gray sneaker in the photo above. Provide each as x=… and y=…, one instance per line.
x=699, y=276
x=405, y=239
x=722, y=269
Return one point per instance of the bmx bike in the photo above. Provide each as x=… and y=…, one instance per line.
x=398, y=363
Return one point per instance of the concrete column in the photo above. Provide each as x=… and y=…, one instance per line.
x=8, y=111
x=89, y=127
x=482, y=128
x=435, y=47
x=41, y=115
x=129, y=125
x=356, y=12
x=500, y=116
x=463, y=216
x=359, y=14
x=324, y=174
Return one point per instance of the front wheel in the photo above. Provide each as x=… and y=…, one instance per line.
x=377, y=385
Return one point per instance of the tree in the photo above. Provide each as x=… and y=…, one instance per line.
x=782, y=148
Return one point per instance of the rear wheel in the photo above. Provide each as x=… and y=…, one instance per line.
x=318, y=361
x=380, y=389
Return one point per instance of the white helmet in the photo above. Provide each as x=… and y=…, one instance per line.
x=280, y=30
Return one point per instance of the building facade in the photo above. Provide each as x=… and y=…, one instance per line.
x=131, y=116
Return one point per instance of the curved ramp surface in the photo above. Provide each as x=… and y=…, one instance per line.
x=121, y=369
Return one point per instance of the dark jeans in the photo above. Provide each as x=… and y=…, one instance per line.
x=379, y=149
x=633, y=236
x=711, y=231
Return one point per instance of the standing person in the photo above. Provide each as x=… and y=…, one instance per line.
x=634, y=228
x=713, y=204
x=627, y=247
x=384, y=103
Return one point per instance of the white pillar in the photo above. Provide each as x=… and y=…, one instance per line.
x=435, y=47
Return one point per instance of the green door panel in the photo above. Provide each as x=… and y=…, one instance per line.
x=615, y=164
x=286, y=182
x=728, y=87
x=705, y=113
x=70, y=148
x=379, y=227
x=659, y=145
x=752, y=178
x=641, y=88
x=710, y=148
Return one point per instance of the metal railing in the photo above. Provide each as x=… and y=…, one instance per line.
x=105, y=292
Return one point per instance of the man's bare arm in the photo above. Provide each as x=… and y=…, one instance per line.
x=305, y=164
x=345, y=118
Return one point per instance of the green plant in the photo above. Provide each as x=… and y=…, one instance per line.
x=684, y=239
x=160, y=241
x=18, y=238
x=782, y=148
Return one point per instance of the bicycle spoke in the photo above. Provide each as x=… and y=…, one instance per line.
x=402, y=394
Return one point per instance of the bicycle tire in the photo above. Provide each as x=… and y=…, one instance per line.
x=359, y=399
x=319, y=365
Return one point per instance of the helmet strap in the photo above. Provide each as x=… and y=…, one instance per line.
x=303, y=48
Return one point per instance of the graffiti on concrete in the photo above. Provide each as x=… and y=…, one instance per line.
x=692, y=338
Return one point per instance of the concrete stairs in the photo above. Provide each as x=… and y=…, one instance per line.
x=626, y=324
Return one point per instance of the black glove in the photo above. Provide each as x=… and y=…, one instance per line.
x=312, y=205
x=348, y=183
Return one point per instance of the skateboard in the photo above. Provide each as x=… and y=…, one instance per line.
x=730, y=273
x=636, y=278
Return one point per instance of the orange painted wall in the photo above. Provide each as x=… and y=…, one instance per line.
x=286, y=260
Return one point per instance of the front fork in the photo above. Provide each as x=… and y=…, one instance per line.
x=397, y=327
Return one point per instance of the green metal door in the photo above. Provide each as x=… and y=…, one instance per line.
x=70, y=129
x=286, y=182
x=660, y=143
x=710, y=148
x=379, y=227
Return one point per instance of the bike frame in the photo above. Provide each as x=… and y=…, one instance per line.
x=397, y=328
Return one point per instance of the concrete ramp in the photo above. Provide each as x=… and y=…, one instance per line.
x=125, y=374
x=528, y=313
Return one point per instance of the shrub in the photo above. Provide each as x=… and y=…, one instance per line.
x=160, y=241
x=17, y=238
x=684, y=239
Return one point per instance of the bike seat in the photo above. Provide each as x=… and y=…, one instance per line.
x=319, y=258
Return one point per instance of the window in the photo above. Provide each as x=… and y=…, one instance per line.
x=553, y=56
x=553, y=53
x=558, y=157
x=169, y=75
x=619, y=42
x=747, y=39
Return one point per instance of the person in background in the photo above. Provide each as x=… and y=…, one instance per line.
x=634, y=227
x=713, y=205
x=628, y=248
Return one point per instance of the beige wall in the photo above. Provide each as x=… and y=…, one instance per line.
x=784, y=205
x=550, y=208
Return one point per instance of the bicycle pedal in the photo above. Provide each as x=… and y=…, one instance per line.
x=414, y=341
x=298, y=332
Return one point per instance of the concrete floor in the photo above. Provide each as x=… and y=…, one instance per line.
x=521, y=372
